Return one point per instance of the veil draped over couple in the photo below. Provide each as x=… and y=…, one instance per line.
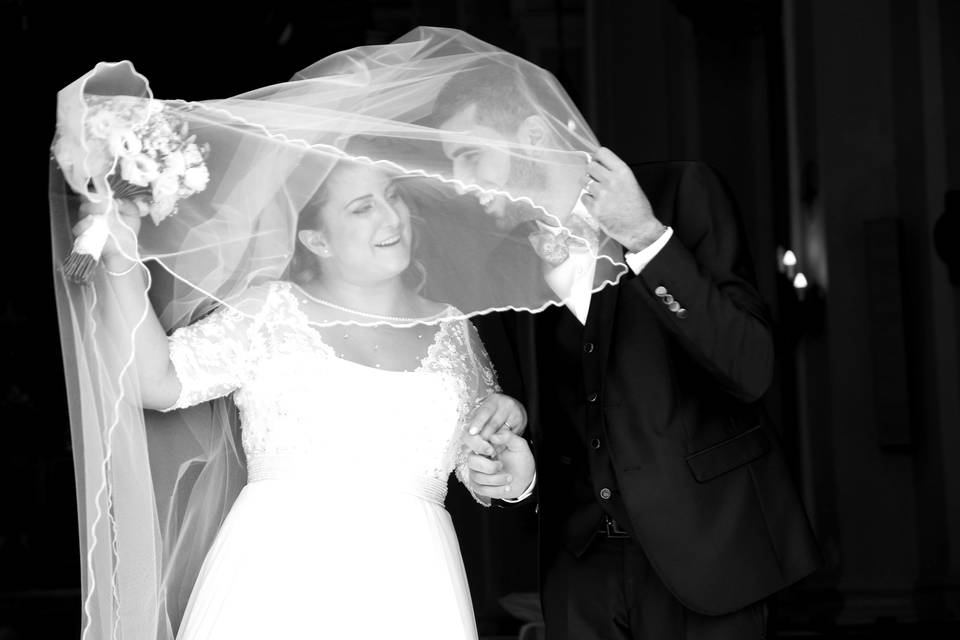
x=269, y=344
x=276, y=313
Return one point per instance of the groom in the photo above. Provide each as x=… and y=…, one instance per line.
x=666, y=508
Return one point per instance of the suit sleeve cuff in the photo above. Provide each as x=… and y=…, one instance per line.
x=526, y=494
x=639, y=259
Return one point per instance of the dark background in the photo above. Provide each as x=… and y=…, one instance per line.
x=836, y=123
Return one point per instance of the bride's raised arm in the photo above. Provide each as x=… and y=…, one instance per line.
x=197, y=362
x=131, y=315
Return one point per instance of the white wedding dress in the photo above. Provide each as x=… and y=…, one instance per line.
x=340, y=531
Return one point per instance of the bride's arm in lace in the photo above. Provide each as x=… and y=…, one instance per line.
x=495, y=462
x=129, y=313
x=196, y=363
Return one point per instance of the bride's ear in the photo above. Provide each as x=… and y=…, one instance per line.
x=314, y=241
x=533, y=131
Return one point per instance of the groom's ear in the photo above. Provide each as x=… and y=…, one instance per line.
x=533, y=131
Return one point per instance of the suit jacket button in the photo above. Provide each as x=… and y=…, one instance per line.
x=660, y=291
x=668, y=299
x=588, y=347
x=592, y=397
x=595, y=443
x=682, y=313
x=605, y=493
x=674, y=306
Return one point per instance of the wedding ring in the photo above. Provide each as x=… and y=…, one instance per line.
x=590, y=181
x=506, y=425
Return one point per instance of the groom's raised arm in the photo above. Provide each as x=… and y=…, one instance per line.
x=701, y=283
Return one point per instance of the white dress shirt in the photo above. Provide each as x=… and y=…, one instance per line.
x=572, y=280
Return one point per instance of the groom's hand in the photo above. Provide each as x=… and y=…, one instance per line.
x=616, y=201
x=497, y=412
x=506, y=476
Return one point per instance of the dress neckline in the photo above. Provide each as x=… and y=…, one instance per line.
x=405, y=321
x=428, y=356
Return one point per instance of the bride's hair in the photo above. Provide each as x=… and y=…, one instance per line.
x=304, y=265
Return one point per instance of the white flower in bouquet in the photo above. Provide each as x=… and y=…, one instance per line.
x=196, y=178
x=176, y=164
x=166, y=185
x=124, y=142
x=192, y=155
x=166, y=188
x=162, y=207
x=140, y=169
x=160, y=145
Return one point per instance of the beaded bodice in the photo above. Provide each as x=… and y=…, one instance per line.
x=304, y=407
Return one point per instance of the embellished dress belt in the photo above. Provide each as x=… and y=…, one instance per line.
x=286, y=467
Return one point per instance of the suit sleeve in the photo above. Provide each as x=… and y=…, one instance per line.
x=716, y=315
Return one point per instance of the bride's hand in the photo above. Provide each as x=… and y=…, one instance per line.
x=496, y=412
x=506, y=476
x=123, y=223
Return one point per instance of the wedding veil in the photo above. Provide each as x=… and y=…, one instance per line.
x=152, y=487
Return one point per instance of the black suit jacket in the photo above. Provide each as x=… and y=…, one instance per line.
x=699, y=467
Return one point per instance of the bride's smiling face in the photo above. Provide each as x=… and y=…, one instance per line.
x=363, y=233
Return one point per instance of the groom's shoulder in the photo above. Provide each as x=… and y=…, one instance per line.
x=669, y=171
x=664, y=181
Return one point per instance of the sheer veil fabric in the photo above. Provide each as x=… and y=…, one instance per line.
x=153, y=488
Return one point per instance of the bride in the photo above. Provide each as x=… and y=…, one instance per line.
x=349, y=432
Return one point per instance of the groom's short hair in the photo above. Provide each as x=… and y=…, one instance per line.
x=501, y=92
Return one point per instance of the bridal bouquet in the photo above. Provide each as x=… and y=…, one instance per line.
x=142, y=152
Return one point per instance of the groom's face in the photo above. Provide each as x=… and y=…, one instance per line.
x=482, y=159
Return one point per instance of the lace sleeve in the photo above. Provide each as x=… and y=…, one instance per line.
x=480, y=382
x=208, y=356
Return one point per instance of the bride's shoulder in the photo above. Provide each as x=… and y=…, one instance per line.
x=450, y=317
x=430, y=308
x=257, y=299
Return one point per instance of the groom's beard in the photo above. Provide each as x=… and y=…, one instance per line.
x=527, y=177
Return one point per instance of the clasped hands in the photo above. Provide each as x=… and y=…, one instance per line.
x=499, y=461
